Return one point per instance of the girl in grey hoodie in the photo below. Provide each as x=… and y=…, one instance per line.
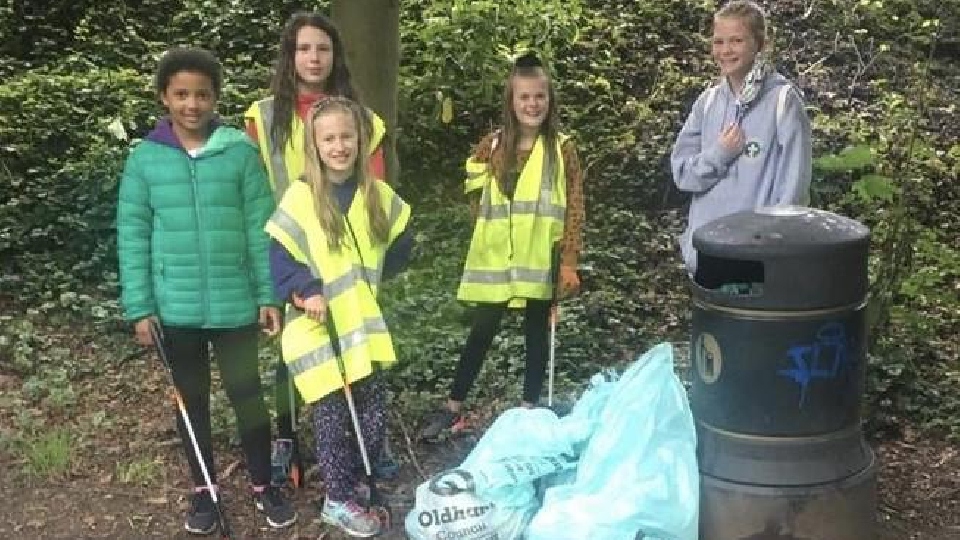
x=746, y=143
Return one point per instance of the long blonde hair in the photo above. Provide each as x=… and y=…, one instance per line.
x=331, y=219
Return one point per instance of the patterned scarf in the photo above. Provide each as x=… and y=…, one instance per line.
x=752, y=84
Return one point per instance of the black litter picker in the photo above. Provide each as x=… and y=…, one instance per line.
x=285, y=460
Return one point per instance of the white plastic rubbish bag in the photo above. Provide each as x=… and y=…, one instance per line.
x=492, y=494
x=637, y=476
x=447, y=507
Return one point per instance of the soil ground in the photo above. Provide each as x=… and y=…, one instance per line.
x=919, y=480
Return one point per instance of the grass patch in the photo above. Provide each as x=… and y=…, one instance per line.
x=140, y=472
x=46, y=455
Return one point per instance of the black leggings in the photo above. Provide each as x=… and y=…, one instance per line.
x=486, y=324
x=236, y=352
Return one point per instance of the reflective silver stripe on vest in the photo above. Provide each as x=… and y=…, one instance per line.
x=486, y=204
x=278, y=165
x=331, y=289
x=541, y=207
x=502, y=211
x=503, y=277
x=396, y=208
x=287, y=224
x=325, y=353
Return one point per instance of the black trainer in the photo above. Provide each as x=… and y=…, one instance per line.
x=440, y=422
x=280, y=513
x=202, y=516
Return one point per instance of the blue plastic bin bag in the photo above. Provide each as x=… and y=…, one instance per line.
x=579, y=424
x=520, y=446
x=637, y=476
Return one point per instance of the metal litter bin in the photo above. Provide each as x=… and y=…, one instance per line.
x=778, y=358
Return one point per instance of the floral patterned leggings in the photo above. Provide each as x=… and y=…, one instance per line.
x=335, y=444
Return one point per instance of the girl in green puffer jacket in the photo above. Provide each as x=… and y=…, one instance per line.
x=194, y=199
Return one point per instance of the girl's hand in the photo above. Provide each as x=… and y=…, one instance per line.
x=142, y=330
x=315, y=307
x=270, y=320
x=732, y=138
x=568, y=282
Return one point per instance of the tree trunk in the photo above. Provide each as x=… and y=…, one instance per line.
x=371, y=35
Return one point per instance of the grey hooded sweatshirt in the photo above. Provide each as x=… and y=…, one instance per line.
x=773, y=168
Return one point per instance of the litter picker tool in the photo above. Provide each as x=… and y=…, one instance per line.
x=376, y=501
x=157, y=336
x=560, y=409
x=552, y=364
x=286, y=462
x=554, y=314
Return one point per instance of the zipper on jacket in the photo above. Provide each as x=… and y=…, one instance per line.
x=203, y=256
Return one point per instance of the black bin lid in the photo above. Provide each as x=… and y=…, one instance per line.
x=783, y=257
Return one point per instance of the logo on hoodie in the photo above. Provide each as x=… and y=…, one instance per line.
x=752, y=149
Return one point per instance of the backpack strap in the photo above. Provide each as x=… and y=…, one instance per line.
x=782, y=101
x=711, y=95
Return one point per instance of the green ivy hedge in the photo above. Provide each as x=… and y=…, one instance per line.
x=626, y=73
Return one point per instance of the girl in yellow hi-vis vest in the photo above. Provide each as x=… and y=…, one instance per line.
x=311, y=64
x=337, y=234
x=530, y=207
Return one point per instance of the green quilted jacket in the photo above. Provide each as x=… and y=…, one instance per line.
x=190, y=235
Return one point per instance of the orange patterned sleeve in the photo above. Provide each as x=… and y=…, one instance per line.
x=572, y=241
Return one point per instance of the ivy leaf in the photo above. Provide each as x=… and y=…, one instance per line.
x=851, y=158
x=446, y=110
x=875, y=186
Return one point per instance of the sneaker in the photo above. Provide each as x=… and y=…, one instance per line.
x=202, y=516
x=280, y=513
x=351, y=517
x=386, y=467
x=361, y=494
x=442, y=421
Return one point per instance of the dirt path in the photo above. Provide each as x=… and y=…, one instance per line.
x=99, y=496
x=919, y=500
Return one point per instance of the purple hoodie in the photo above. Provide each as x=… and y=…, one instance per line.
x=163, y=132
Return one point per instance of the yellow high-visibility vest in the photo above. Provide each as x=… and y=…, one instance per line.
x=284, y=167
x=510, y=252
x=350, y=280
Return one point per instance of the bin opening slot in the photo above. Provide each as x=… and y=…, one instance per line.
x=731, y=276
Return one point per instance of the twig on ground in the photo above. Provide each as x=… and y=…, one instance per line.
x=948, y=455
x=409, y=443
x=231, y=468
